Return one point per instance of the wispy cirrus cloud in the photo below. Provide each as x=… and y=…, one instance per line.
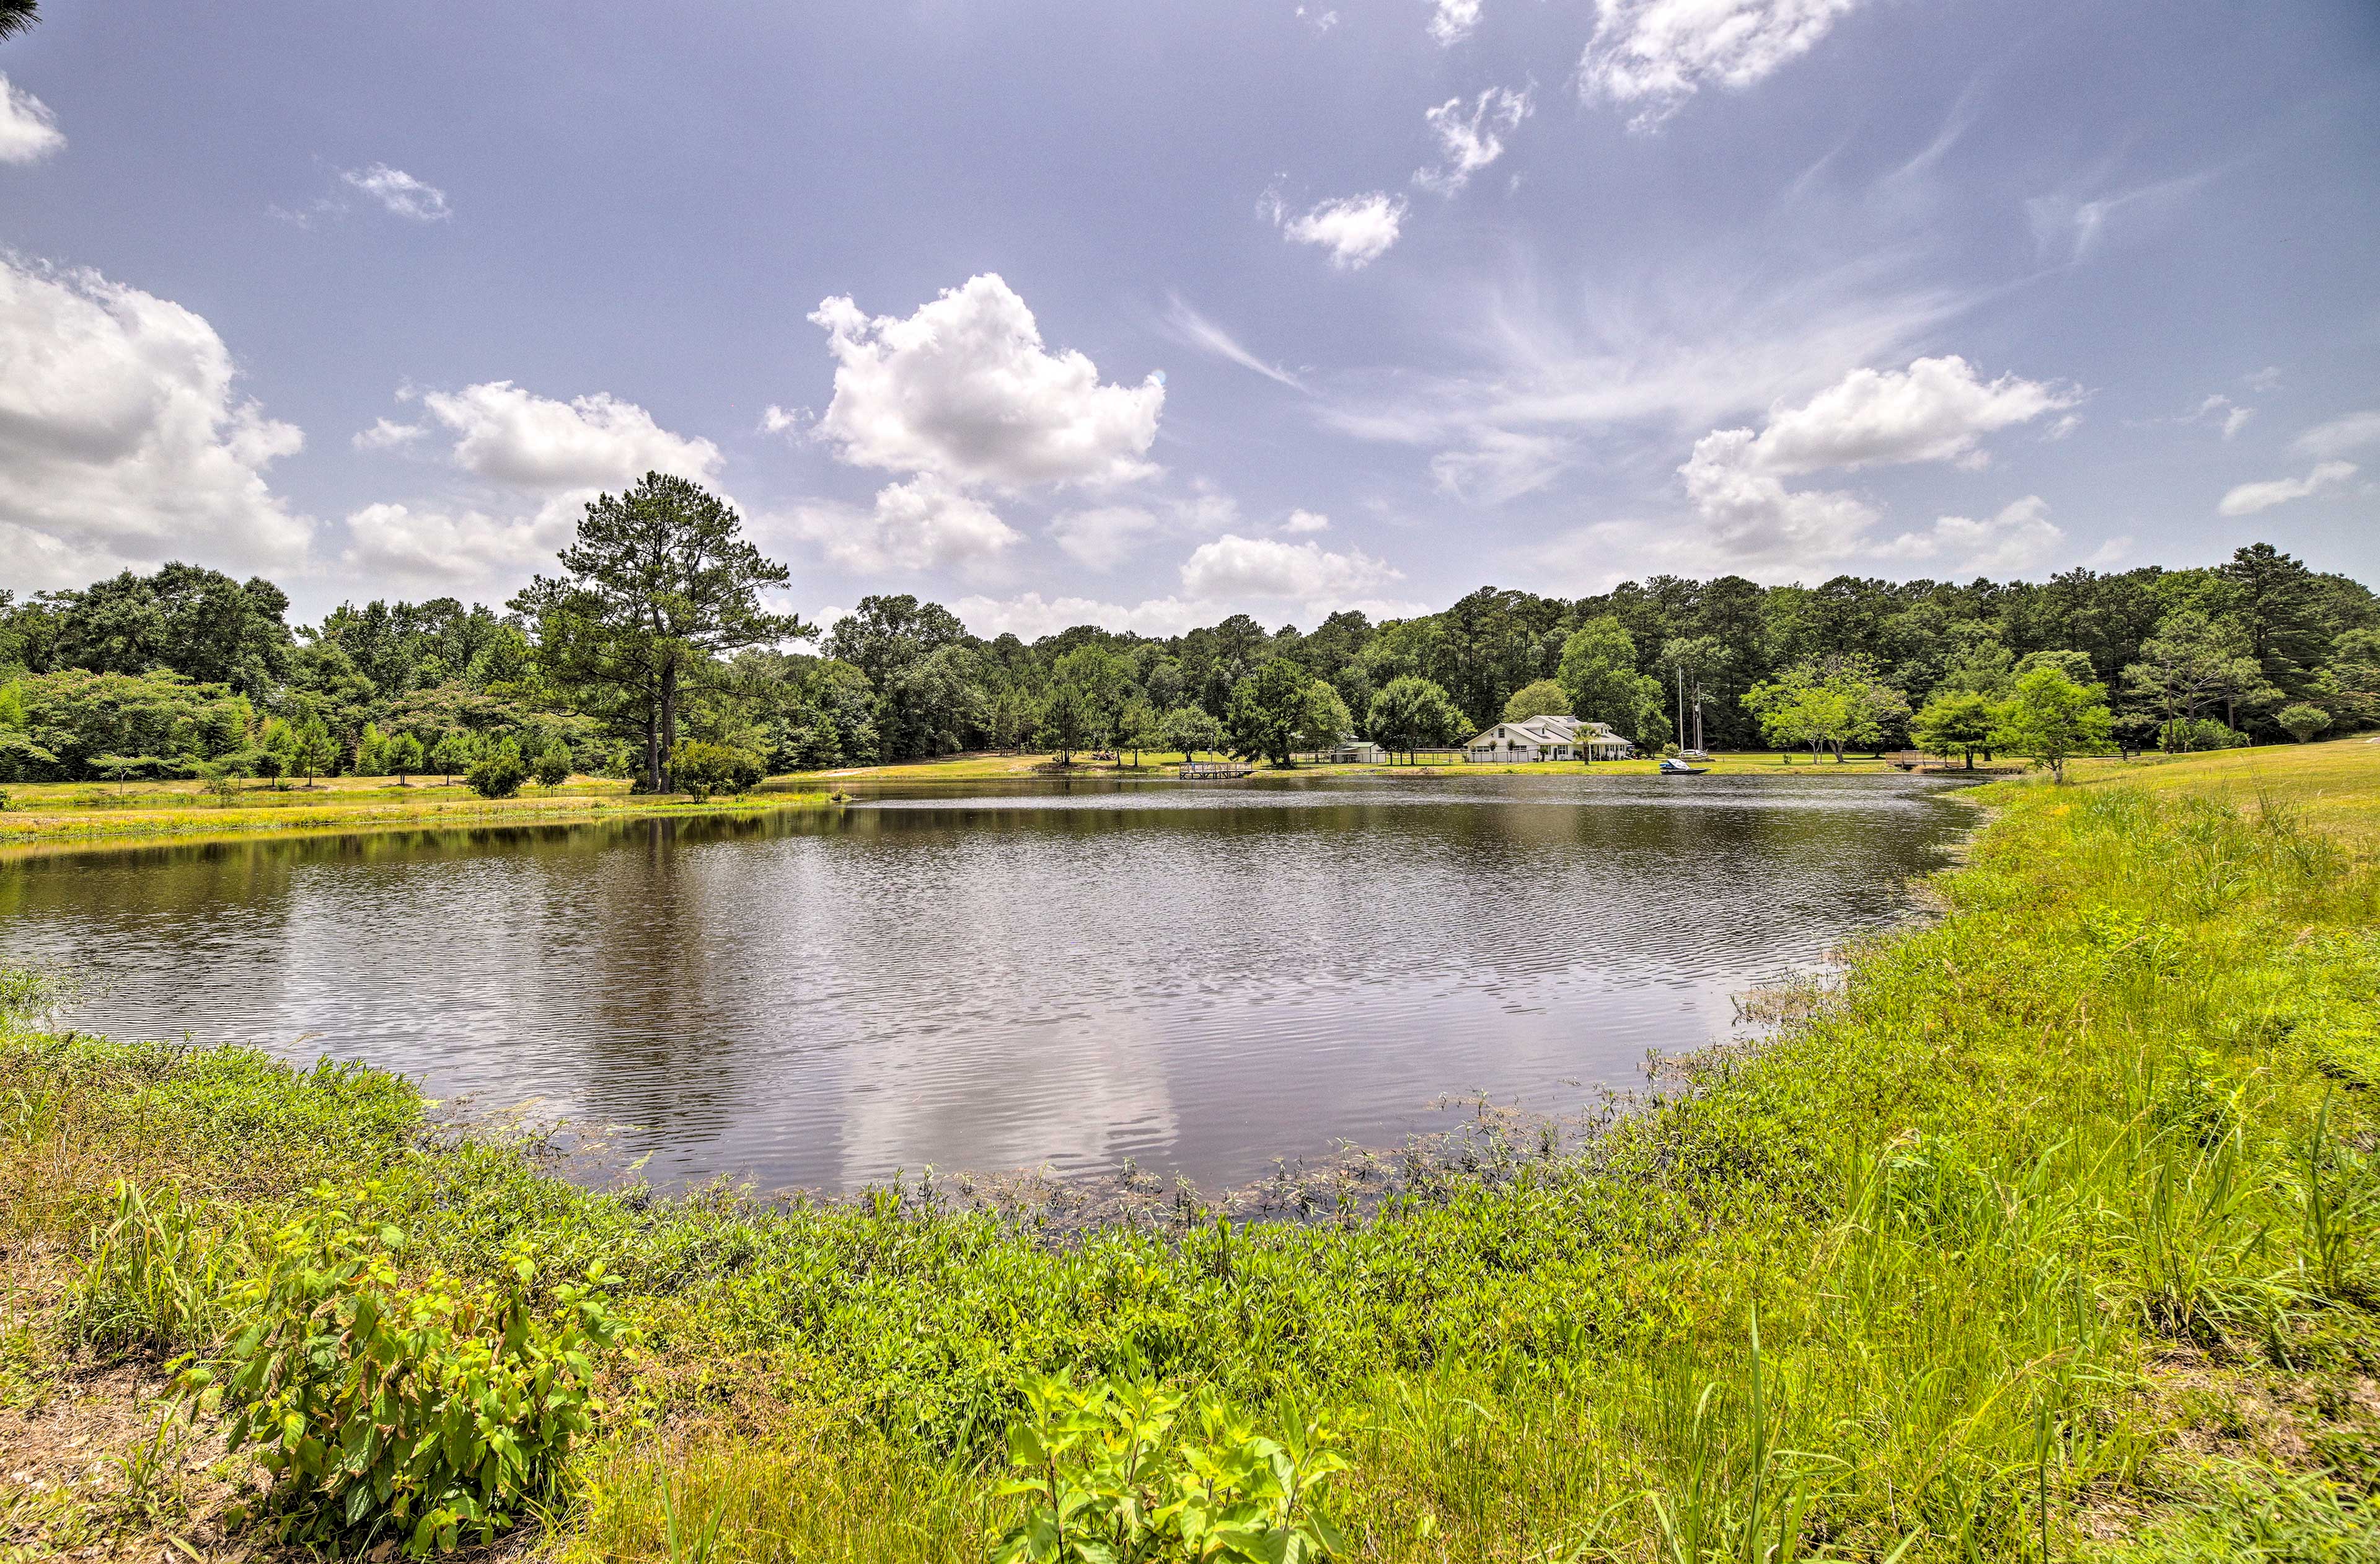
x=1188, y=327
x=1452, y=21
x=2247, y=499
x=1655, y=56
x=1471, y=136
x=399, y=193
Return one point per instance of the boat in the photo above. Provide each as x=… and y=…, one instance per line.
x=1677, y=768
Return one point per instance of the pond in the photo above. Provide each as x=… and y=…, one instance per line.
x=1199, y=978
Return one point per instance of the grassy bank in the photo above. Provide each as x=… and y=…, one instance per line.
x=46, y=815
x=2052, y=1235
x=2332, y=787
x=981, y=767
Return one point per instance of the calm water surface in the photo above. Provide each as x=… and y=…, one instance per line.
x=1199, y=978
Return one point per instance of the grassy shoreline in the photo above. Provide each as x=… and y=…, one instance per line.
x=2056, y=1228
x=1157, y=767
x=63, y=817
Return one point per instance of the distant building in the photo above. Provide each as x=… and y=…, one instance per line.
x=1548, y=738
x=1352, y=751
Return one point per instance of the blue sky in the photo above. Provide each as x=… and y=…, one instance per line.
x=1144, y=314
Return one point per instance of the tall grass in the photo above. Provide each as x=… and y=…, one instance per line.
x=1926, y=1278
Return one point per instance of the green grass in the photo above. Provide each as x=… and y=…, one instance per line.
x=2057, y=1229
x=1156, y=764
x=2333, y=786
x=49, y=817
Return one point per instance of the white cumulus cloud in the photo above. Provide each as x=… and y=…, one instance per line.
x=2247, y=499
x=1102, y=538
x=923, y=523
x=29, y=131
x=2350, y=432
x=123, y=440
x=2018, y=539
x=1356, y=230
x=1936, y=410
x=446, y=548
x=510, y=435
x=1029, y=615
x=1653, y=55
x=1470, y=136
x=1305, y=521
x=1452, y=21
x=400, y=192
x=387, y=434
x=1232, y=568
x=964, y=389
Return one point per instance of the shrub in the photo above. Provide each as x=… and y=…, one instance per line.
x=499, y=772
x=2302, y=721
x=553, y=766
x=704, y=769
x=426, y=1409
x=2195, y=733
x=1103, y=1478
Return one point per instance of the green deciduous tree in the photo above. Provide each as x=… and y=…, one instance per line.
x=2050, y=718
x=1410, y=713
x=1266, y=707
x=705, y=769
x=658, y=582
x=1954, y=722
x=185, y=618
x=1598, y=673
x=1191, y=728
x=53, y=725
x=1065, y=722
x=884, y=635
x=1139, y=727
x=1103, y=680
x=932, y=706
x=1829, y=703
x=1546, y=697
x=1323, y=721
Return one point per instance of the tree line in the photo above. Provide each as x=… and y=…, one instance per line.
x=648, y=652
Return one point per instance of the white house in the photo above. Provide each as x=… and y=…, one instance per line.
x=1548, y=738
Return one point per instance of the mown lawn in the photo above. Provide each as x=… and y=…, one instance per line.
x=2334, y=785
x=977, y=768
x=2054, y=1233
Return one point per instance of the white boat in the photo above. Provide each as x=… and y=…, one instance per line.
x=1673, y=767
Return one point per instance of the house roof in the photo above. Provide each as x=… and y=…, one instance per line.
x=1549, y=730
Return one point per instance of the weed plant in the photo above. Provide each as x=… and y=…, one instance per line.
x=2051, y=1237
